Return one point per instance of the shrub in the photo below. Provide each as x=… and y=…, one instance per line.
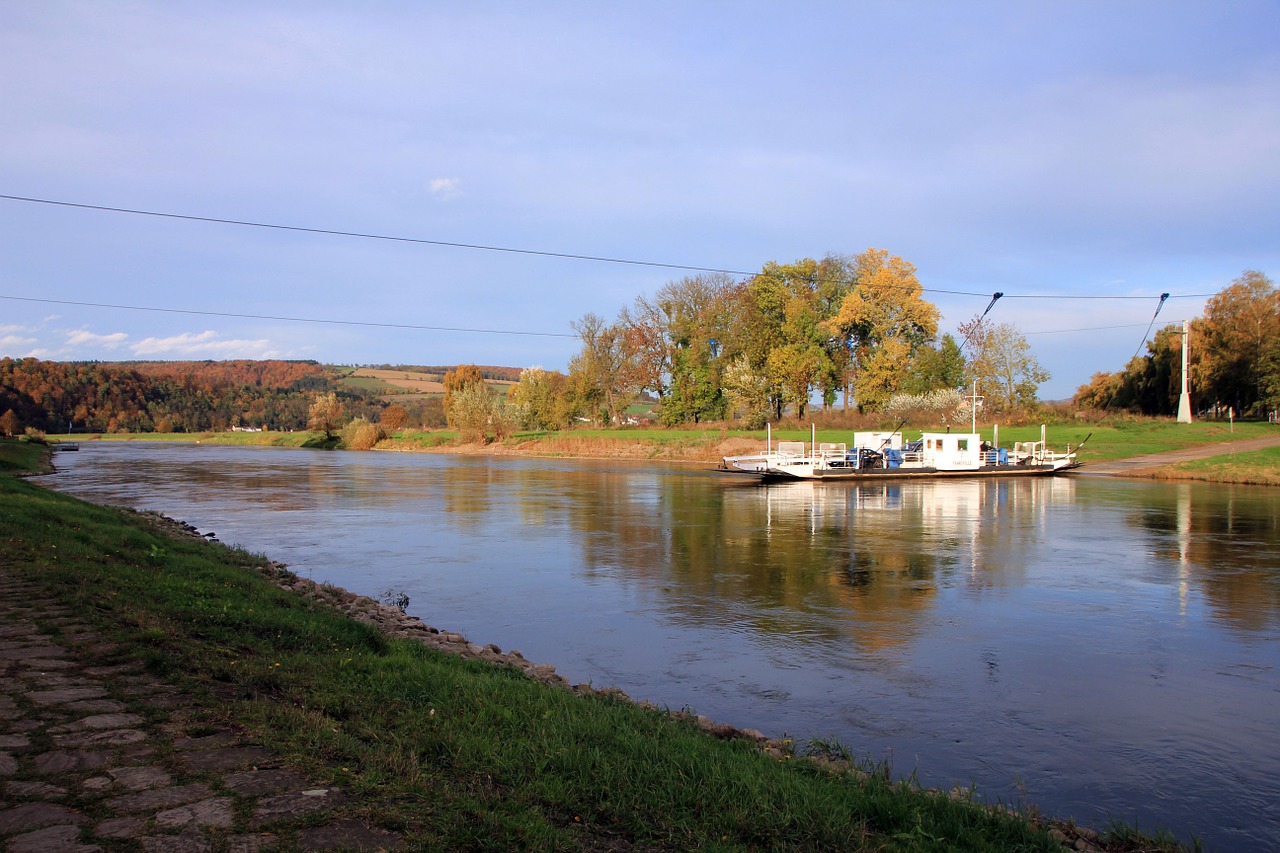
x=361, y=434
x=940, y=404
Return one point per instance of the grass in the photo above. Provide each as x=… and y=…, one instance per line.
x=1259, y=467
x=22, y=457
x=240, y=439
x=457, y=755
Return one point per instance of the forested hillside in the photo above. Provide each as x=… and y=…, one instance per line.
x=59, y=397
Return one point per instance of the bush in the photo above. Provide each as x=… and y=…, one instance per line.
x=942, y=404
x=361, y=434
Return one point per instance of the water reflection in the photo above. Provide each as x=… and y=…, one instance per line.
x=1112, y=646
x=1222, y=542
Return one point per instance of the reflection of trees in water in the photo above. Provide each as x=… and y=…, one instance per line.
x=1223, y=540
x=838, y=563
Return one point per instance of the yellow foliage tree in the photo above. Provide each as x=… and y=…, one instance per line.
x=456, y=381
x=885, y=318
x=324, y=414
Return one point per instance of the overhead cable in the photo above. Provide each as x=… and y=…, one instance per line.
x=517, y=251
x=292, y=319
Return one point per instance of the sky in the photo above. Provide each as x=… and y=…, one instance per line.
x=1063, y=153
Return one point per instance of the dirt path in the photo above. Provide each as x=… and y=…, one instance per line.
x=1136, y=464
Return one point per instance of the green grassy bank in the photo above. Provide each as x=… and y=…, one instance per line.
x=1259, y=467
x=459, y=755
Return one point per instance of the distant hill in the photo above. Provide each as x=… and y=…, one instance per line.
x=269, y=373
x=167, y=396
x=499, y=374
x=196, y=396
x=409, y=380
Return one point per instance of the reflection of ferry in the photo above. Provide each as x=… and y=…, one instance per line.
x=878, y=455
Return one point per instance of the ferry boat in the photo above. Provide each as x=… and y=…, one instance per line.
x=885, y=455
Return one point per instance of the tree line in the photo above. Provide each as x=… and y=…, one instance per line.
x=60, y=397
x=850, y=329
x=1233, y=355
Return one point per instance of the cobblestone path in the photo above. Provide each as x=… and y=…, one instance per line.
x=98, y=755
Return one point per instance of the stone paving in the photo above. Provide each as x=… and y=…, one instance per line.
x=97, y=755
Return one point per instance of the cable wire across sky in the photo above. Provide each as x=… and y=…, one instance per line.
x=994, y=297
x=518, y=251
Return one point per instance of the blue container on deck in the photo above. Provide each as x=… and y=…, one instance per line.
x=1004, y=455
x=892, y=457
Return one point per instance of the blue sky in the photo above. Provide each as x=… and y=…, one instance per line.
x=1047, y=150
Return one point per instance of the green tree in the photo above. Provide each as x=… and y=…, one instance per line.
x=471, y=413
x=539, y=399
x=934, y=366
x=675, y=341
x=783, y=331
x=747, y=392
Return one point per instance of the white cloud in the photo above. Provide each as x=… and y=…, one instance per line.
x=10, y=343
x=203, y=345
x=446, y=189
x=82, y=338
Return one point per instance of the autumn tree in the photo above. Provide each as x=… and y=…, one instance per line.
x=539, y=399
x=604, y=377
x=1099, y=392
x=9, y=425
x=1002, y=363
x=455, y=381
x=1236, y=341
x=884, y=319
x=393, y=417
x=1149, y=384
x=362, y=434
x=325, y=414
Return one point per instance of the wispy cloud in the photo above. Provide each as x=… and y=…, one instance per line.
x=14, y=343
x=446, y=189
x=203, y=345
x=83, y=338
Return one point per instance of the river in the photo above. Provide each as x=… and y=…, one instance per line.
x=1104, y=649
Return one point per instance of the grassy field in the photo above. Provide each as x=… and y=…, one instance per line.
x=460, y=755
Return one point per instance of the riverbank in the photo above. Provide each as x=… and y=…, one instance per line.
x=445, y=752
x=1135, y=444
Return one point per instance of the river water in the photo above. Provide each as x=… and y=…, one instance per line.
x=1104, y=649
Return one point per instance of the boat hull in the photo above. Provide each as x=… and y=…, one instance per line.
x=866, y=475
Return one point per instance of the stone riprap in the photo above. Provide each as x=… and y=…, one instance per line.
x=95, y=757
